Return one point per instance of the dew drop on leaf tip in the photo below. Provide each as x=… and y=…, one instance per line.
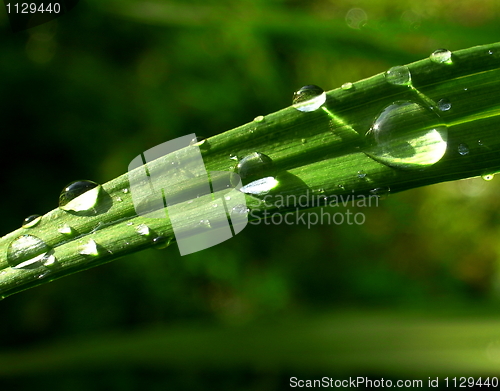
x=309, y=98
x=441, y=56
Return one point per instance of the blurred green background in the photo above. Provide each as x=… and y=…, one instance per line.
x=412, y=293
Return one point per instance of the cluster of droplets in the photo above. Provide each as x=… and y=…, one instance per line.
x=29, y=252
x=407, y=134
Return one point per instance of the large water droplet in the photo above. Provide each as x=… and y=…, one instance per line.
x=27, y=251
x=79, y=196
x=488, y=177
x=399, y=76
x=309, y=98
x=441, y=56
x=407, y=135
x=463, y=149
x=259, y=118
x=31, y=221
x=254, y=165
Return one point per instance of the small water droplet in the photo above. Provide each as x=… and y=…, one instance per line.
x=444, y=104
x=143, y=229
x=27, y=251
x=259, y=118
x=66, y=230
x=43, y=275
x=125, y=191
x=205, y=223
x=441, y=56
x=341, y=187
x=347, y=86
x=240, y=209
x=161, y=242
x=381, y=192
x=79, y=196
x=260, y=187
x=463, y=149
x=227, y=198
x=406, y=135
x=466, y=89
x=118, y=199
x=399, y=76
x=303, y=141
x=309, y=98
x=253, y=165
x=361, y=174
x=488, y=177
x=31, y=221
x=197, y=140
x=89, y=248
